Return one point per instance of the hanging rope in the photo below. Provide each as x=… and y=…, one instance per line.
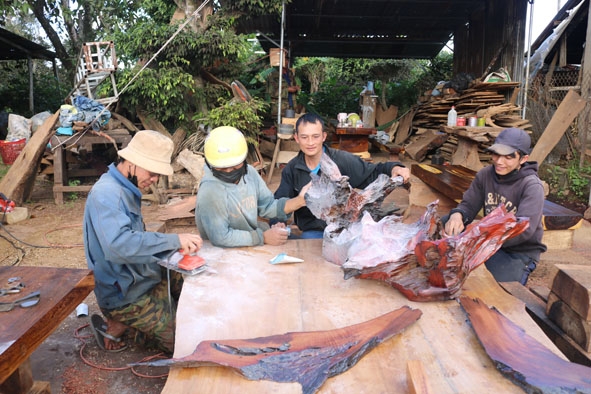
x=116, y=98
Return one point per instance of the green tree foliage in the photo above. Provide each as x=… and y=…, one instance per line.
x=242, y=115
x=14, y=90
x=398, y=82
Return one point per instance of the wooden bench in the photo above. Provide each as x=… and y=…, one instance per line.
x=62, y=173
x=453, y=180
x=22, y=330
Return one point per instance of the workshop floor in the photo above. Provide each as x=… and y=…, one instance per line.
x=70, y=359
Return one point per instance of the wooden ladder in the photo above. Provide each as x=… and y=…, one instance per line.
x=96, y=63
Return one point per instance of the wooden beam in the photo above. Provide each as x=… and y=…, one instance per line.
x=18, y=182
x=536, y=308
x=567, y=111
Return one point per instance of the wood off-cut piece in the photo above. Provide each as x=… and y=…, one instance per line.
x=572, y=284
x=429, y=267
x=308, y=358
x=521, y=358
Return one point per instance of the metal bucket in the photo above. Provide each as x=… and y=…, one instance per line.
x=285, y=129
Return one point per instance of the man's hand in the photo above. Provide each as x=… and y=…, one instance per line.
x=305, y=190
x=293, y=204
x=276, y=235
x=455, y=224
x=404, y=172
x=190, y=243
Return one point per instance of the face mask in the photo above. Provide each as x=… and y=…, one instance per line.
x=233, y=176
x=132, y=178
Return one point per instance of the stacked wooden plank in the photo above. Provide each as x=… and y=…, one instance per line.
x=478, y=97
x=482, y=100
x=569, y=303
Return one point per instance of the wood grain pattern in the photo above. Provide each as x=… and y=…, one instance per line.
x=308, y=358
x=23, y=330
x=521, y=358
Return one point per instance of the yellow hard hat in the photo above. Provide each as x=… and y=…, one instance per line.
x=225, y=147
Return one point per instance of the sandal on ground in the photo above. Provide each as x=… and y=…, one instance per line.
x=99, y=329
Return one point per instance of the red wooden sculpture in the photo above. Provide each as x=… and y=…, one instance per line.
x=417, y=259
x=305, y=357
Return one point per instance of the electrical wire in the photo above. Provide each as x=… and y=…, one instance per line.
x=116, y=97
x=82, y=339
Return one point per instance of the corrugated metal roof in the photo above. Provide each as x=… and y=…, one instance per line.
x=15, y=47
x=365, y=28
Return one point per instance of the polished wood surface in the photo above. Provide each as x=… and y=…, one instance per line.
x=244, y=296
x=22, y=330
x=354, y=139
x=356, y=130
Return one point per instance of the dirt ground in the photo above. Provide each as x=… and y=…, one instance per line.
x=70, y=359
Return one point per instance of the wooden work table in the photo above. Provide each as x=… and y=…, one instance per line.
x=22, y=330
x=354, y=139
x=244, y=296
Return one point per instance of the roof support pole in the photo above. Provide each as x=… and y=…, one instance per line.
x=281, y=64
x=31, y=86
x=531, y=19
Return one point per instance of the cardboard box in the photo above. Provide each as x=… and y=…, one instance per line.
x=274, y=57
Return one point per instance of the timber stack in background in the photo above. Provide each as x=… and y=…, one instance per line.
x=427, y=130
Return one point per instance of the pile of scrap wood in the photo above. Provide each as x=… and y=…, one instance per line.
x=474, y=101
x=493, y=101
x=19, y=181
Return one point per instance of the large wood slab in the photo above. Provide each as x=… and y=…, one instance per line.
x=572, y=284
x=567, y=111
x=18, y=182
x=22, y=330
x=244, y=296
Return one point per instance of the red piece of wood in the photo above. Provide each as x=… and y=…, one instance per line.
x=308, y=358
x=521, y=358
x=417, y=259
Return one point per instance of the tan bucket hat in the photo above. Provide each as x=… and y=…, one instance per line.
x=150, y=150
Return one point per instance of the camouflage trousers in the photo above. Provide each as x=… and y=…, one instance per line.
x=152, y=317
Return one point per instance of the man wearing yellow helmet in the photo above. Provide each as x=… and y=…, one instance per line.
x=232, y=196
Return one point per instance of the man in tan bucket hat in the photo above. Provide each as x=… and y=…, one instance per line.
x=130, y=287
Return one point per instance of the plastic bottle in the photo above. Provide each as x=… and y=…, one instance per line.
x=452, y=116
x=437, y=158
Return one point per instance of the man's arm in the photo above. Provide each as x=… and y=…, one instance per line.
x=119, y=240
x=293, y=204
x=531, y=206
x=362, y=173
x=462, y=215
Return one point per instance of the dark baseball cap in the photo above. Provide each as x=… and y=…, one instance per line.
x=510, y=141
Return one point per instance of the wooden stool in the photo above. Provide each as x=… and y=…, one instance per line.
x=280, y=156
x=60, y=166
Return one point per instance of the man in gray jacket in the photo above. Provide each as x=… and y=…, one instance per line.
x=513, y=181
x=130, y=287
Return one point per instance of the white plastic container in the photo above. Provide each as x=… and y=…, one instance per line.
x=452, y=117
